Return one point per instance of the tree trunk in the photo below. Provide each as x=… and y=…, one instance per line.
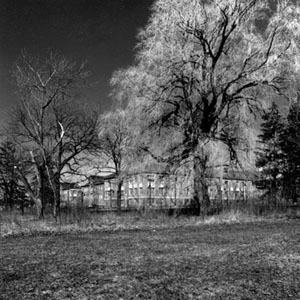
x=57, y=200
x=39, y=198
x=38, y=204
x=39, y=208
x=41, y=193
x=10, y=195
x=6, y=201
x=200, y=200
x=36, y=198
x=56, y=194
x=293, y=185
x=119, y=196
x=22, y=207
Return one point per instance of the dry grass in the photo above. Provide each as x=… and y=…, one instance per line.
x=13, y=223
x=239, y=261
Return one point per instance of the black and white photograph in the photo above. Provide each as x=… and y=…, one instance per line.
x=149, y=149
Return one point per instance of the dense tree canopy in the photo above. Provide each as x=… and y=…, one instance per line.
x=291, y=150
x=270, y=156
x=199, y=62
x=12, y=191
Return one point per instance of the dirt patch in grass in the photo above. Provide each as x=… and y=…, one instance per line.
x=234, y=261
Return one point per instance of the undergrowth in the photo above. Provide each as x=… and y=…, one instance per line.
x=13, y=223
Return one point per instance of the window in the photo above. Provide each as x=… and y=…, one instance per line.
x=243, y=186
x=161, y=190
x=187, y=191
x=141, y=189
x=225, y=190
x=151, y=189
x=151, y=177
x=131, y=192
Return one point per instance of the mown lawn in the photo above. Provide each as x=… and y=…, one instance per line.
x=238, y=261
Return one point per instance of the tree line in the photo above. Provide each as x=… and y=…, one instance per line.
x=278, y=156
x=202, y=69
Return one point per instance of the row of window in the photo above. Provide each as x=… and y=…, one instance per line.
x=136, y=190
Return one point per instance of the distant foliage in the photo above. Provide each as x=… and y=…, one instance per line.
x=270, y=157
x=291, y=149
x=278, y=155
x=13, y=193
x=115, y=145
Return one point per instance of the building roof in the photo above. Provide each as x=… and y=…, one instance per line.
x=246, y=175
x=147, y=166
x=69, y=185
x=98, y=180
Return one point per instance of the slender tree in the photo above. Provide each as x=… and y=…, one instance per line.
x=115, y=145
x=270, y=156
x=199, y=62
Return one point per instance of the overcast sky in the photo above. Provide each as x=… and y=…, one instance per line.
x=103, y=32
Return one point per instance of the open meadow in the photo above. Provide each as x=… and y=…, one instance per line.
x=252, y=260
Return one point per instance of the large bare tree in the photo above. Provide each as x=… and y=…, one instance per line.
x=199, y=63
x=49, y=121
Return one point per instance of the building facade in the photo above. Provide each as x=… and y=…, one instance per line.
x=157, y=190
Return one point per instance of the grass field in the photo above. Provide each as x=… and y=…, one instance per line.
x=222, y=261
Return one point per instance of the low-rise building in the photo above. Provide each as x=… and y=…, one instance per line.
x=159, y=190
